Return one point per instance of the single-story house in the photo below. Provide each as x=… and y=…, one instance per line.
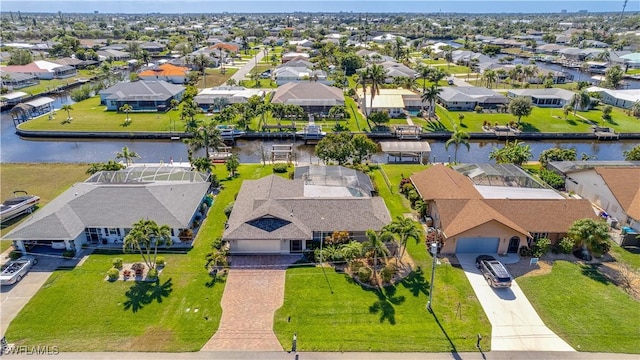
x=468, y=97
x=17, y=80
x=285, y=74
x=286, y=57
x=167, y=72
x=206, y=98
x=312, y=96
x=232, y=49
x=152, y=47
x=141, y=95
x=387, y=38
x=618, y=98
x=44, y=70
x=112, y=54
x=101, y=210
x=613, y=187
x=493, y=208
x=394, y=101
x=552, y=97
x=631, y=60
x=394, y=69
x=273, y=215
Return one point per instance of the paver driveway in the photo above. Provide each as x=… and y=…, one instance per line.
x=253, y=292
x=515, y=325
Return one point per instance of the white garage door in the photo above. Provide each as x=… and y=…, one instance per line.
x=477, y=245
x=257, y=247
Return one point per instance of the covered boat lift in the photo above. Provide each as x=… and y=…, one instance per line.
x=406, y=151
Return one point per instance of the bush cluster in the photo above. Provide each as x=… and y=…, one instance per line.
x=364, y=274
x=113, y=274
x=117, y=263
x=280, y=168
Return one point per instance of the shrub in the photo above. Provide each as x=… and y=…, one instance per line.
x=565, y=245
x=388, y=272
x=406, y=188
x=15, y=254
x=525, y=251
x=280, y=168
x=552, y=179
x=478, y=109
x=152, y=274
x=364, y=274
x=541, y=247
x=113, y=274
x=355, y=266
x=229, y=208
x=160, y=261
x=68, y=254
x=413, y=196
x=117, y=263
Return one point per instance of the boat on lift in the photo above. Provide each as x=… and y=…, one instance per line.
x=18, y=205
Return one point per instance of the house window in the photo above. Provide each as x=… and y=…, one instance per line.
x=113, y=231
x=295, y=246
x=535, y=237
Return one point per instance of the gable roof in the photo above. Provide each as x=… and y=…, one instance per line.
x=113, y=205
x=279, y=198
x=460, y=215
x=472, y=94
x=442, y=182
x=624, y=183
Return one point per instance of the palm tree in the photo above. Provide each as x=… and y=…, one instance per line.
x=377, y=76
x=581, y=101
x=489, y=76
x=424, y=72
x=361, y=80
x=431, y=95
x=375, y=245
x=145, y=236
x=126, y=108
x=351, y=250
x=458, y=137
x=68, y=109
x=403, y=228
x=219, y=103
x=201, y=61
x=207, y=137
x=127, y=155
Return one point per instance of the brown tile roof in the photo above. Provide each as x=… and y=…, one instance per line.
x=460, y=215
x=442, y=182
x=624, y=183
x=227, y=47
x=543, y=215
x=165, y=70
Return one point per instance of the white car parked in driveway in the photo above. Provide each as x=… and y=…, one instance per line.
x=15, y=270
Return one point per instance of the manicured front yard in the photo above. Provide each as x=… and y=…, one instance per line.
x=585, y=309
x=78, y=311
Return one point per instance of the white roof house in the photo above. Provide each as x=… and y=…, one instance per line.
x=619, y=98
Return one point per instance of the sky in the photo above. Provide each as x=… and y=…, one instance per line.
x=268, y=6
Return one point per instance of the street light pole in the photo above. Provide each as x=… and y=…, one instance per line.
x=434, y=252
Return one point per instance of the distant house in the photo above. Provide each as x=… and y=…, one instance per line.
x=619, y=98
x=141, y=95
x=286, y=57
x=387, y=38
x=394, y=70
x=468, y=97
x=289, y=72
x=273, y=215
x=631, y=60
x=17, y=80
x=230, y=48
x=552, y=97
x=394, y=101
x=110, y=54
x=493, y=208
x=167, y=72
x=615, y=188
x=313, y=97
x=101, y=210
x=44, y=70
x=152, y=47
x=206, y=98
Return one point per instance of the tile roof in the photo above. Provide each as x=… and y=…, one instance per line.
x=165, y=70
x=624, y=183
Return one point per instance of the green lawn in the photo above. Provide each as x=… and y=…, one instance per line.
x=354, y=318
x=584, y=308
x=78, y=311
x=89, y=115
x=630, y=256
x=28, y=177
x=215, y=77
x=46, y=85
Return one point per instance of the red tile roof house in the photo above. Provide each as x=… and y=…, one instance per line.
x=44, y=70
x=167, y=72
x=473, y=219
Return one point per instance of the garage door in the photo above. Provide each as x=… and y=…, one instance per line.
x=257, y=247
x=477, y=245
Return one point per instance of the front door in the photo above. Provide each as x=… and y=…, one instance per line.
x=514, y=244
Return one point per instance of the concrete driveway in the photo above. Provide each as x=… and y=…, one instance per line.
x=14, y=297
x=515, y=325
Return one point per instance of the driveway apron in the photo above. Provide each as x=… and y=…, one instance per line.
x=253, y=292
x=515, y=325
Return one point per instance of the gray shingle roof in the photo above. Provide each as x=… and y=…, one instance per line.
x=308, y=93
x=112, y=205
x=284, y=199
x=142, y=90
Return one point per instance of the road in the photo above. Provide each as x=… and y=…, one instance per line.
x=243, y=71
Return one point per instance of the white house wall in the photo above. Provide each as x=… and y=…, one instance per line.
x=589, y=185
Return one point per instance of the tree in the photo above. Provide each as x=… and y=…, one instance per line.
x=566, y=109
x=591, y=235
x=633, y=154
x=404, y=229
x=557, y=154
x=379, y=118
x=110, y=165
x=202, y=61
x=126, y=108
x=431, y=95
x=635, y=108
x=520, y=107
x=205, y=137
x=489, y=77
x=335, y=147
x=581, y=101
x=613, y=77
x=361, y=79
x=513, y=152
x=145, y=237
x=202, y=164
x=68, y=109
x=351, y=250
x=375, y=246
x=127, y=155
x=458, y=137
x=363, y=148
x=20, y=57
x=377, y=75
x=232, y=164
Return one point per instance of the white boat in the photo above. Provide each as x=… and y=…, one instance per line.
x=311, y=132
x=228, y=132
x=221, y=155
x=18, y=205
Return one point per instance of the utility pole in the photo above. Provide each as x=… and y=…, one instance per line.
x=623, y=7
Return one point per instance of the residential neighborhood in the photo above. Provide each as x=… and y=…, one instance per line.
x=320, y=183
